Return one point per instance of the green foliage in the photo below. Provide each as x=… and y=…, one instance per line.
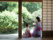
x=11, y=5
x=8, y=20
x=15, y=10
x=9, y=15
x=37, y=13
x=31, y=7
x=26, y=15
x=8, y=6
x=3, y=6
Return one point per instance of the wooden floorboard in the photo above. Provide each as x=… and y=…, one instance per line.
x=47, y=38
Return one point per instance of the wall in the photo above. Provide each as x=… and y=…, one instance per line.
x=47, y=18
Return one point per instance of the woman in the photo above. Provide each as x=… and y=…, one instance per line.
x=38, y=29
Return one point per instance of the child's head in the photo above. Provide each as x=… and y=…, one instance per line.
x=26, y=25
x=38, y=19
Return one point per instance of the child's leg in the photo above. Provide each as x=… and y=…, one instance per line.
x=23, y=35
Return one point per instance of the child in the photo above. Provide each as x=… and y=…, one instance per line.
x=27, y=32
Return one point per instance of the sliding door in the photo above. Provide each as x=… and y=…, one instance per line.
x=47, y=18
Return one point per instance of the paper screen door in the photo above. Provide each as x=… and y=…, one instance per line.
x=47, y=18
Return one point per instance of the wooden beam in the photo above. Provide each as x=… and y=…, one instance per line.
x=20, y=18
x=23, y=0
x=42, y=18
x=8, y=0
x=31, y=0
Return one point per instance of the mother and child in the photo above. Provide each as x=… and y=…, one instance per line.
x=37, y=30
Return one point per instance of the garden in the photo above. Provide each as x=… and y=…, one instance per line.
x=9, y=15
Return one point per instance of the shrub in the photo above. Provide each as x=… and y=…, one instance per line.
x=8, y=20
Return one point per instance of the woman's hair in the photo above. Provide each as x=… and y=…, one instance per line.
x=26, y=24
x=38, y=19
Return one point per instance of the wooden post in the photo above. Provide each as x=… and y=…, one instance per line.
x=20, y=18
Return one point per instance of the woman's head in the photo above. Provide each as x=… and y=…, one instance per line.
x=26, y=25
x=38, y=19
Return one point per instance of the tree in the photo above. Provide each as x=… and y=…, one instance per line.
x=11, y=5
x=3, y=6
x=37, y=13
x=26, y=15
x=31, y=7
x=8, y=6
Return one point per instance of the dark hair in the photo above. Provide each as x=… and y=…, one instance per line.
x=38, y=19
x=26, y=24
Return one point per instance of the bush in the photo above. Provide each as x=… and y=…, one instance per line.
x=37, y=13
x=8, y=20
x=26, y=15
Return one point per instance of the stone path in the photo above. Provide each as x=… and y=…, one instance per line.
x=9, y=36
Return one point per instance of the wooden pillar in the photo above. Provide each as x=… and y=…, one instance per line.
x=20, y=18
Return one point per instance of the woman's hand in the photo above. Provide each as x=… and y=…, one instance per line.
x=34, y=23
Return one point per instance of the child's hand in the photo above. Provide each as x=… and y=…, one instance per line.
x=23, y=33
x=35, y=23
